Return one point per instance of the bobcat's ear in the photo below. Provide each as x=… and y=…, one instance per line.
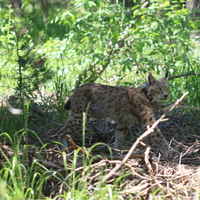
x=151, y=79
x=166, y=76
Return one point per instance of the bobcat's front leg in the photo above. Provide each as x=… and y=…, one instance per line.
x=157, y=138
x=119, y=137
x=147, y=119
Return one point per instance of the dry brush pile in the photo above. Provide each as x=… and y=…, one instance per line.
x=133, y=173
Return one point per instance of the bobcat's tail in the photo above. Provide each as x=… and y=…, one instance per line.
x=68, y=105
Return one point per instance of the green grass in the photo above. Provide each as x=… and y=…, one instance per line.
x=28, y=171
x=24, y=176
x=21, y=178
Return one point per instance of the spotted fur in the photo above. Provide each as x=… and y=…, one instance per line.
x=124, y=105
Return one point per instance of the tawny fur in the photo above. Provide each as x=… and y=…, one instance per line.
x=124, y=105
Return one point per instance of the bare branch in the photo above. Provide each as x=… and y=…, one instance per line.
x=189, y=107
x=186, y=74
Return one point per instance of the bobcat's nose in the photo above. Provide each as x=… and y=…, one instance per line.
x=165, y=95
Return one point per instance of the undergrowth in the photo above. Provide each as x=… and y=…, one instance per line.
x=24, y=176
x=32, y=165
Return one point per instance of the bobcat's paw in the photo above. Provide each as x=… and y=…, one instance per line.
x=173, y=153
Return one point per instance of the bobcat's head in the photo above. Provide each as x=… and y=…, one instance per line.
x=156, y=90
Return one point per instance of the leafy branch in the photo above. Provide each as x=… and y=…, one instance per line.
x=96, y=73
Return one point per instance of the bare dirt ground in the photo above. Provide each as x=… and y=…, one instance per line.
x=147, y=175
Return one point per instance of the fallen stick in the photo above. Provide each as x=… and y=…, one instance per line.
x=73, y=145
x=142, y=137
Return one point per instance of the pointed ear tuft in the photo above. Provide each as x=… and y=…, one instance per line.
x=151, y=79
x=166, y=76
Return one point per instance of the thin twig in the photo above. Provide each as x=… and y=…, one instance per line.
x=146, y=159
x=186, y=74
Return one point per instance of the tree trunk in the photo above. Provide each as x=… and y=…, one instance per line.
x=193, y=5
x=45, y=8
x=17, y=4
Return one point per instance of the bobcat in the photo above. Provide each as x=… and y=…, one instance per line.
x=124, y=105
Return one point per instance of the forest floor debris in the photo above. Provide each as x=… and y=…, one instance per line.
x=141, y=176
